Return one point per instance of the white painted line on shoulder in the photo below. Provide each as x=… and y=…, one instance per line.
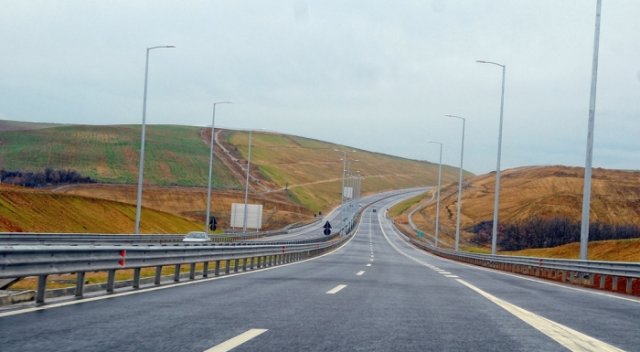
x=237, y=341
x=452, y=276
x=336, y=289
x=564, y=335
x=360, y=273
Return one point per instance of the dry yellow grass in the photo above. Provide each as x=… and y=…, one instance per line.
x=527, y=192
x=620, y=250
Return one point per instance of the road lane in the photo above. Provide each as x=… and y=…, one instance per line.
x=397, y=305
x=607, y=317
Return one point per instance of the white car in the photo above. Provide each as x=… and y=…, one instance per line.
x=196, y=236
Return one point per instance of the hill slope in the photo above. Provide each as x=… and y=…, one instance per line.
x=293, y=177
x=174, y=155
x=537, y=192
x=311, y=170
x=41, y=211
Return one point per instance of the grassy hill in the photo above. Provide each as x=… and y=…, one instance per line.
x=293, y=177
x=174, y=155
x=24, y=210
x=534, y=192
x=311, y=170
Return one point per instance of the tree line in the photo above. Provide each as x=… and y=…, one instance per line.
x=544, y=233
x=48, y=177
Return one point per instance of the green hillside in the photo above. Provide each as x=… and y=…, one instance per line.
x=307, y=171
x=311, y=170
x=174, y=155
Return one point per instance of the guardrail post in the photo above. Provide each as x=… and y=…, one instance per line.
x=42, y=289
x=270, y=260
x=192, y=271
x=111, y=280
x=176, y=273
x=217, y=272
x=244, y=264
x=226, y=267
x=136, y=278
x=156, y=280
x=259, y=262
x=80, y=284
x=614, y=283
x=629, y=288
x=205, y=269
x=235, y=265
x=251, y=263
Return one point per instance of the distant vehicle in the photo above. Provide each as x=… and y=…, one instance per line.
x=196, y=236
x=374, y=210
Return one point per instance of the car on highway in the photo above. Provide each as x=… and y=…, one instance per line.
x=374, y=210
x=196, y=236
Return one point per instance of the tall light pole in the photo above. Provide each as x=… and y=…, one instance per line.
x=586, y=194
x=457, y=245
x=213, y=124
x=438, y=194
x=246, y=188
x=496, y=203
x=143, y=135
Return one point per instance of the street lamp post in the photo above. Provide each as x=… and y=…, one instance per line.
x=213, y=123
x=143, y=135
x=496, y=204
x=246, y=188
x=437, y=232
x=586, y=194
x=457, y=245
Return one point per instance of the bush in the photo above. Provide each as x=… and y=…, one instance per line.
x=48, y=177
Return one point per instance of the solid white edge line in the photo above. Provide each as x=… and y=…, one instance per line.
x=572, y=339
x=564, y=335
x=237, y=341
x=336, y=289
x=532, y=279
x=166, y=286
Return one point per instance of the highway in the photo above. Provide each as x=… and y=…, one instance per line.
x=376, y=293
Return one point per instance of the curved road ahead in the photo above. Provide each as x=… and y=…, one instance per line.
x=376, y=293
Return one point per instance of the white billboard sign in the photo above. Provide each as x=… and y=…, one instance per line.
x=254, y=215
x=348, y=192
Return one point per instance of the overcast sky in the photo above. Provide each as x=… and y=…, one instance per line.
x=373, y=74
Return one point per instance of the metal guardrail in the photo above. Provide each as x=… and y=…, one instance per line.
x=41, y=261
x=626, y=269
x=18, y=261
x=623, y=277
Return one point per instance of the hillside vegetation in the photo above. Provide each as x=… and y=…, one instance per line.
x=174, y=155
x=311, y=170
x=536, y=193
x=293, y=177
x=24, y=210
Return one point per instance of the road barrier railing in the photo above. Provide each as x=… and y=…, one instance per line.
x=620, y=277
x=41, y=261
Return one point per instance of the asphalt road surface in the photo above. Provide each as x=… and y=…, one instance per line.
x=376, y=293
